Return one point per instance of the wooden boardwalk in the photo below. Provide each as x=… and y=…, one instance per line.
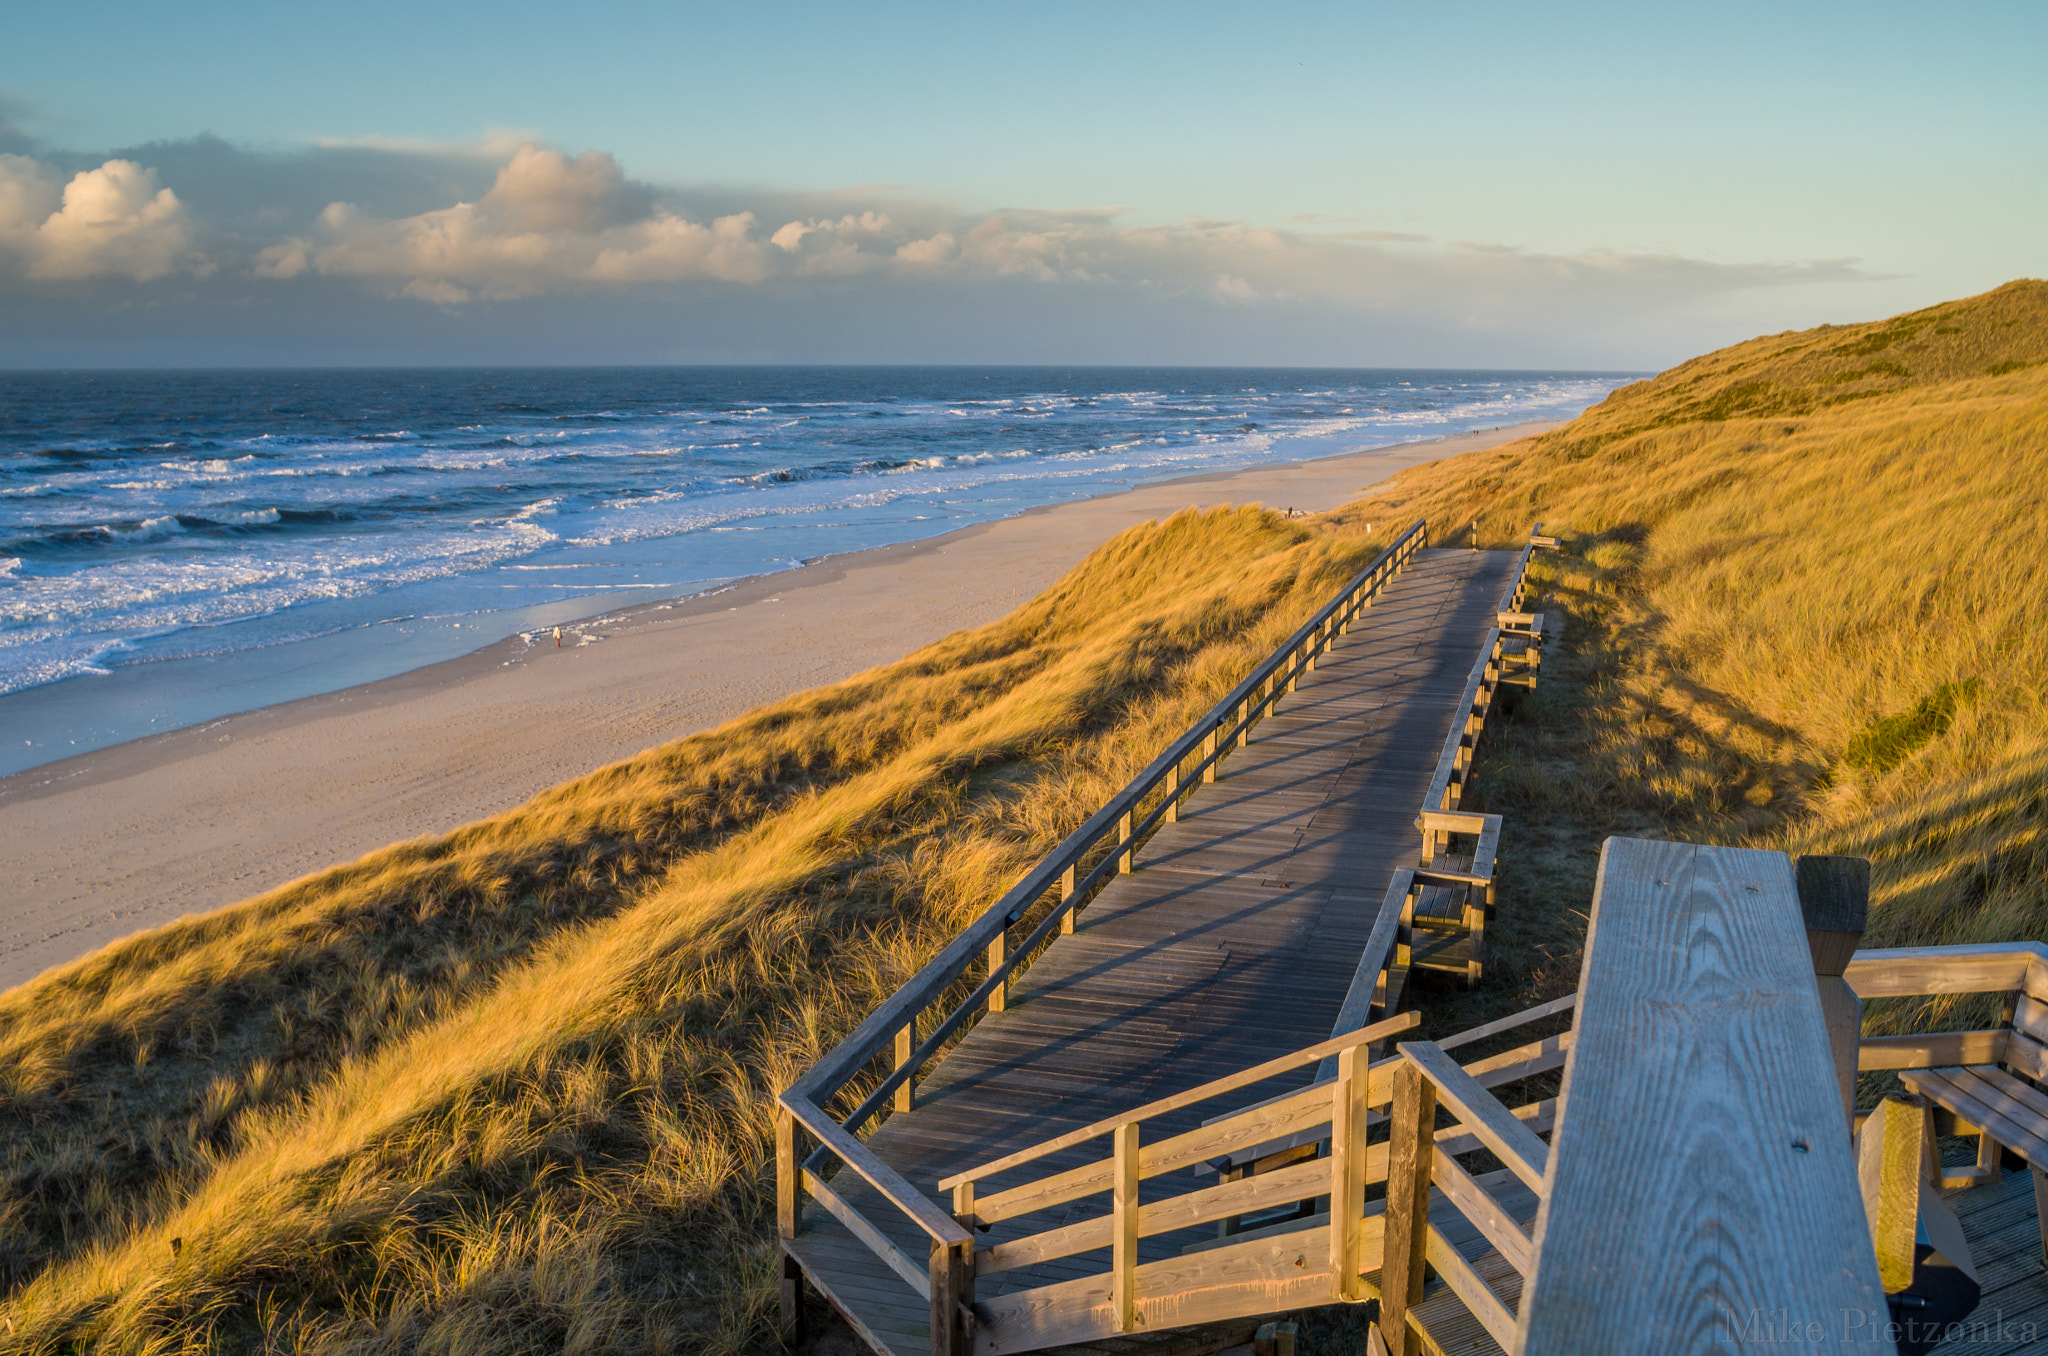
x=1234, y=942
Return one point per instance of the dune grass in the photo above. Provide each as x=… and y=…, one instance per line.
x=507, y=1089
x=1805, y=605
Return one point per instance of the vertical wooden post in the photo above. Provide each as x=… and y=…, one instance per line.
x=950, y=1279
x=1410, y=1155
x=1209, y=747
x=1067, y=893
x=787, y=1185
x=906, y=1041
x=1834, y=896
x=1241, y=712
x=1173, y=796
x=1124, y=1227
x=1347, y=1177
x=1123, y=835
x=998, y=952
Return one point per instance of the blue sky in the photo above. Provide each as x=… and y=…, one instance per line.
x=1574, y=184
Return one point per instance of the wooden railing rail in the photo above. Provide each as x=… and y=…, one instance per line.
x=1467, y=886
x=1700, y=1166
x=1322, y=1256
x=1421, y=1157
x=1105, y=846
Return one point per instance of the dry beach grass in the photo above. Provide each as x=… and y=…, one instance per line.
x=506, y=1089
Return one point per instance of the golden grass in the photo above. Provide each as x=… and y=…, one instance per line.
x=1778, y=559
x=506, y=1090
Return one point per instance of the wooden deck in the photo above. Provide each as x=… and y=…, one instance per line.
x=1234, y=942
x=2005, y=1241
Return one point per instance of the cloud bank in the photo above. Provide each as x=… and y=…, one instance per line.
x=523, y=231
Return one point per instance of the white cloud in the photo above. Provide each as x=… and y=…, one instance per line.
x=114, y=220
x=530, y=220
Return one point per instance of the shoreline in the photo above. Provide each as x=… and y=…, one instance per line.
x=137, y=834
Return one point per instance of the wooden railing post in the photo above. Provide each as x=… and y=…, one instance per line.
x=1172, y=815
x=1124, y=1227
x=1347, y=1177
x=1128, y=861
x=788, y=1181
x=1209, y=748
x=1834, y=897
x=906, y=1041
x=1410, y=1155
x=951, y=1282
x=998, y=952
x=1067, y=893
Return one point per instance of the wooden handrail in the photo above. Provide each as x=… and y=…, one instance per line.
x=1974, y=967
x=1224, y=721
x=1702, y=1132
x=941, y=1227
x=895, y=1025
x=1478, y=1110
x=1244, y=1078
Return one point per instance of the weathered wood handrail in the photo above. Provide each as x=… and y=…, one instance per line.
x=1104, y=846
x=1421, y=1157
x=1207, y=741
x=1324, y=1256
x=1699, y=1038
x=1385, y=964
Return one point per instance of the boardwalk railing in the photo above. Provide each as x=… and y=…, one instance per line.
x=916, y=1023
x=1435, y=914
x=1315, y=1257
x=1980, y=1081
x=1701, y=1183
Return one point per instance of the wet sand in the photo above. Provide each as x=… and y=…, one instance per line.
x=129, y=837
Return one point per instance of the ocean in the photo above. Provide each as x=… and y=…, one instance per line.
x=176, y=546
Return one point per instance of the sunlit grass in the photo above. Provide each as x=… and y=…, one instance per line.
x=507, y=1089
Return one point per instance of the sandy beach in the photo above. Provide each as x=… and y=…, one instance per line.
x=130, y=837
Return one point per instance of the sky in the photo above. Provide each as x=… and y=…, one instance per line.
x=1570, y=185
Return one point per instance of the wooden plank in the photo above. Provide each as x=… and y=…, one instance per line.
x=894, y=1257
x=1258, y=1073
x=1465, y=1283
x=1410, y=1156
x=1931, y=1051
x=1261, y=1191
x=1523, y=1018
x=1486, y=1214
x=1907, y=972
x=919, y=1208
x=1522, y=1062
x=1308, y=1107
x=1481, y=1114
x=1124, y=1225
x=2029, y=1015
x=1699, y=1167
x=1265, y=1276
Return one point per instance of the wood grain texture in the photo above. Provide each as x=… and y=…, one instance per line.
x=1974, y=967
x=1699, y=1175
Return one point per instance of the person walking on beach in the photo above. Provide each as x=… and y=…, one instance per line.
x=558, y=637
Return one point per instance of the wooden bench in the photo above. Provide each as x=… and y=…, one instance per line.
x=1521, y=647
x=1981, y=1083
x=1443, y=921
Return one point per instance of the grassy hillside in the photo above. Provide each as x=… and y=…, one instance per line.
x=506, y=1090
x=1806, y=579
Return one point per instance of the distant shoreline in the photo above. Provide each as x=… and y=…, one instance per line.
x=140, y=833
